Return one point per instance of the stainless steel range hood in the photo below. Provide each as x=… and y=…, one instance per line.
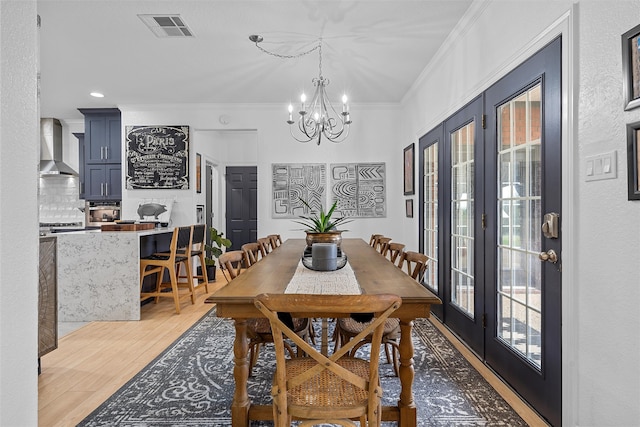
x=51, y=149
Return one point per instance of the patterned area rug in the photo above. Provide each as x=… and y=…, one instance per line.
x=191, y=384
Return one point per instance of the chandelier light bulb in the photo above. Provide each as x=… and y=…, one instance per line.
x=290, y=121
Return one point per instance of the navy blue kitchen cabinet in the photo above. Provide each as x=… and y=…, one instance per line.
x=103, y=182
x=102, y=154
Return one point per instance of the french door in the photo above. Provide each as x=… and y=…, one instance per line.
x=494, y=218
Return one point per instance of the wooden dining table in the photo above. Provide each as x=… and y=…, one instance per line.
x=374, y=274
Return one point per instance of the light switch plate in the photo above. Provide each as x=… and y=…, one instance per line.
x=601, y=166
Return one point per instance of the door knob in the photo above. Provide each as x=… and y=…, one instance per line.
x=550, y=256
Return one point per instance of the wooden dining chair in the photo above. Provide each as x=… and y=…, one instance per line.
x=416, y=264
x=381, y=244
x=171, y=262
x=374, y=239
x=393, y=252
x=326, y=389
x=253, y=252
x=276, y=240
x=232, y=262
x=266, y=245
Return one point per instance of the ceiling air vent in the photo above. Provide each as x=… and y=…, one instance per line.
x=166, y=25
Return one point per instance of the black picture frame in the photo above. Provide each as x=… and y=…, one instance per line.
x=409, y=169
x=198, y=173
x=157, y=157
x=199, y=214
x=408, y=207
x=631, y=68
x=633, y=160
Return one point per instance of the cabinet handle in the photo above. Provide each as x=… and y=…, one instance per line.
x=101, y=153
x=106, y=188
x=102, y=188
x=106, y=153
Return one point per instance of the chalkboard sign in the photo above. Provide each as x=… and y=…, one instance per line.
x=157, y=157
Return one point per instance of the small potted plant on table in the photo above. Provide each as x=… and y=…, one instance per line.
x=321, y=228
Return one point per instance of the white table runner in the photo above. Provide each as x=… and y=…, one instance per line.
x=337, y=282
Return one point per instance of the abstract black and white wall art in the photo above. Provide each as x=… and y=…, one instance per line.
x=295, y=181
x=359, y=189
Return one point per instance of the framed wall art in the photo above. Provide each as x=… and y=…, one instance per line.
x=293, y=182
x=198, y=173
x=157, y=157
x=633, y=158
x=359, y=189
x=199, y=214
x=408, y=207
x=409, y=172
x=631, y=68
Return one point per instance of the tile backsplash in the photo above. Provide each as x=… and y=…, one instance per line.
x=58, y=199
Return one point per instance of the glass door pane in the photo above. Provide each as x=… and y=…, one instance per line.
x=519, y=218
x=462, y=216
x=430, y=209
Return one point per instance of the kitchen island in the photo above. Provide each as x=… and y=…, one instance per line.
x=99, y=272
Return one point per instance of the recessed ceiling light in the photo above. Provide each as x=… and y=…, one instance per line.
x=97, y=94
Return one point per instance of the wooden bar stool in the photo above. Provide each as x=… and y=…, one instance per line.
x=179, y=254
x=196, y=249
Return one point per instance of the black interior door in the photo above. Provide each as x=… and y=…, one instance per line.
x=241, y=205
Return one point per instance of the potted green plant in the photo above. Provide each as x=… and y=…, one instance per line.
x=213, y=251
x=321, y=227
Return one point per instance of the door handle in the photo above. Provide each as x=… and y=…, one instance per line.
x=550, y=256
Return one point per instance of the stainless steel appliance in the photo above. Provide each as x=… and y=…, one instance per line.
x=98, y=213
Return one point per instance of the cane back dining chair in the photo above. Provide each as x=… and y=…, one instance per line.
x=178, y=255
x=416, y=264
x=253, y=252
x=347, y=329
x=258, y=329
x=382, y=244
x=232, y=262
x=276, y=240
x=393, y=252
x=319, y=388
x=267, y=244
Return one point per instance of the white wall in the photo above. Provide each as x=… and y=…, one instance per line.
x=608, y=243
x=601, y=343
x=19, y=159
x=373, y=138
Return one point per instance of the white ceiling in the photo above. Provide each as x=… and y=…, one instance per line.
x=372, y=50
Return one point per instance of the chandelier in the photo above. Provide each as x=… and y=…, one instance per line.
x=318, y=118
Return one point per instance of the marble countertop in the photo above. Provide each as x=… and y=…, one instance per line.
x=136, y=232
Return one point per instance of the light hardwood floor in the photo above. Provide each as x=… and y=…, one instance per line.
x=94, y=361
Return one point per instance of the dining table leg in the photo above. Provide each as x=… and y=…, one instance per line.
x=241, y=403
x=406, y=404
